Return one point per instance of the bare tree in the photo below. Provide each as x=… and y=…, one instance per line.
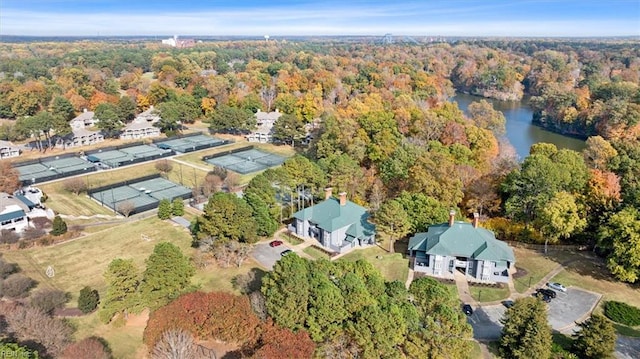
x=241, y=252
x=164, y=167
x=9, y=177
x=32, y=324
x=126, y=208
x=258, y=304
x=175, y=344
x=268, y=94
x=232, y=181
x=75, y=185
x=212, y=183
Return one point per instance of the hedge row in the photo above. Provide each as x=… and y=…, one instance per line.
x=622, y=313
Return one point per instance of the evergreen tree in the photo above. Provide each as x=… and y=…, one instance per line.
x=168, y=275
x=122, y=285
x=59, y=226
x=177, y=207
x=526, y=332
x=226, y=218
x=164, y=209
x=88, y=300
x=596, y=338
x=61, y=107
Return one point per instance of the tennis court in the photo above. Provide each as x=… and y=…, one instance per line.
x=140, y=196
x=128, y=155
x=191, y=143
x=51, y=168
x=247, y=161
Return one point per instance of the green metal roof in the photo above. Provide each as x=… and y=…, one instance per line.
x=329, y=215
x=11, y=215
x=461, y=240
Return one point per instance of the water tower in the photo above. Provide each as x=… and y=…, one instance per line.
x=266, y=38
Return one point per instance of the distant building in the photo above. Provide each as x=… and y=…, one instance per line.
x=80, y=135
x=8, y=150
x=142, y=126
x=265, y=121
x=179, y=43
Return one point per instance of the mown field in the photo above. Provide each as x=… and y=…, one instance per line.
x=83, y=262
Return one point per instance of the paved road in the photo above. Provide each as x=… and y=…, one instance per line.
x=627, y=348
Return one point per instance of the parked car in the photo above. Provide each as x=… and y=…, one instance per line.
x=285, y=252
x=275, y=243
x=548, y=292
x=467, y=309
x=545, y=298
x=557, y=286
x=508, y=303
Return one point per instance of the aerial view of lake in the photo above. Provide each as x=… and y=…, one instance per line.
x=521, y=133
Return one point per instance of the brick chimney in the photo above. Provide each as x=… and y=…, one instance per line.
x=343, y=198
x=476, y=219
x=327, y=193
x=452, y=217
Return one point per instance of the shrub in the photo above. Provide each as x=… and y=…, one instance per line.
x=48, y=299
x=7, y=269
x=177, y=207
x=88, y=300
x=17, y=286
x=164, y=209
x=622, y=313
x=87, y=348
x=59, y=226
x=9, y=237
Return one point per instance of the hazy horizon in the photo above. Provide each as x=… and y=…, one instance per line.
x=490, y=18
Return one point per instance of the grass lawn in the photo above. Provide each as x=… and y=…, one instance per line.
x=291, y=239
x=392, y=265
x=214, y=278
x=83, y=261
x=476, y=352
x=315, y=253
x=536, y=265
x=125, y=342
x=488, y=294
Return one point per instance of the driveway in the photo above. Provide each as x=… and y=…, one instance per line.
x=485, y=321
x=573, y=306
x=627, y=348
x=268, y=256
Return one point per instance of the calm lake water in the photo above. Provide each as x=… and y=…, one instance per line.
x=521, y=133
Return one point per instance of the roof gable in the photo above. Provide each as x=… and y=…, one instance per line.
x=461, y=239
x=330, y=216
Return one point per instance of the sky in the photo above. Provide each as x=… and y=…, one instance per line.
x=558, y=18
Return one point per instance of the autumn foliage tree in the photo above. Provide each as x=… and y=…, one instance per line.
x=219, y=316
x=9, y=177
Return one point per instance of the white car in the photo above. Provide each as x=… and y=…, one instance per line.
x=557, y=286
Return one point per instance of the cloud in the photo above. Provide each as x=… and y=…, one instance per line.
x=410, y=18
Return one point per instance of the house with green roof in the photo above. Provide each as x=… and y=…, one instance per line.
x=336, y=223
x=462, y=246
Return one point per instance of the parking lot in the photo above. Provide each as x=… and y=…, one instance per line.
x=267, y=256
x=567, y=308
x=563, y=312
